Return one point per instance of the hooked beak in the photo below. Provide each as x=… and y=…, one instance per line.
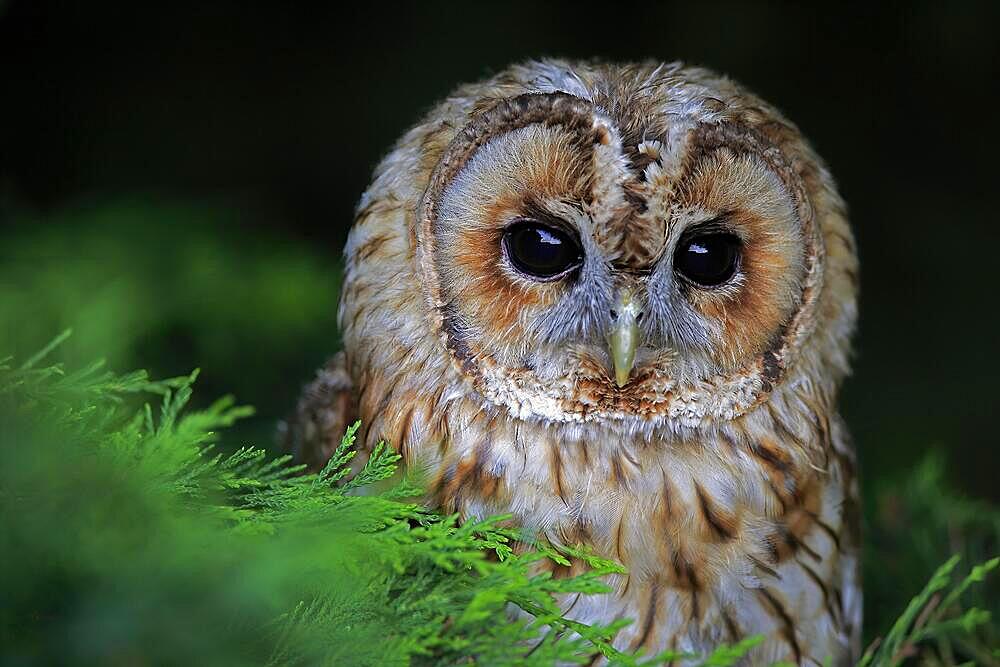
x=624, y=337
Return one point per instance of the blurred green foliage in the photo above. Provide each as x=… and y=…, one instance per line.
x=164, y=286
x=126, y=549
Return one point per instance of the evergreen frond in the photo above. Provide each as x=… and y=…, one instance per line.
x=128, y=537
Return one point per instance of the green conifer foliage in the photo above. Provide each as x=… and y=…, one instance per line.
x=128, y=540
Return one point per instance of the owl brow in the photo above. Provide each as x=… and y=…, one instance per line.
x=534, y=209
x=719, y=223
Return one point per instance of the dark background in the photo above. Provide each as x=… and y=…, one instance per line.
x=275, y=114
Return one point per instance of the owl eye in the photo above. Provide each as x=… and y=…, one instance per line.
x=708, y=259
x=541, y=251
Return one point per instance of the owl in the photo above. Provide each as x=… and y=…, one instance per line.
x=615, y=302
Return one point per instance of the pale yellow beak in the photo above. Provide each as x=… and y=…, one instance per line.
x=624, y=336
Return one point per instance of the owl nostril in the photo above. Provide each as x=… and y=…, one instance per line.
x=614, y=315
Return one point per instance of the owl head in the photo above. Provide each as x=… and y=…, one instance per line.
x=643, y=243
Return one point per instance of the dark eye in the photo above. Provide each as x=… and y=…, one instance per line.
x=709, y=259
x=539, y=250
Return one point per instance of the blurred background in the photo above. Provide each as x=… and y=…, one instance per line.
x=176, y=182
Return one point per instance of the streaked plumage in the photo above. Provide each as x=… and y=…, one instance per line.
x=716, y=468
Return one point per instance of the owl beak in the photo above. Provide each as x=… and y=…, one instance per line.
x=624, y=336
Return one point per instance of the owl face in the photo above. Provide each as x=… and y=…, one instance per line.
x=627, y=264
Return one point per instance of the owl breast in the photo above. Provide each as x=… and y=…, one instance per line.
x=745, y=531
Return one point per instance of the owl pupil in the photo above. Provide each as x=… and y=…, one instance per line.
x=539, y=250
x=708, y=259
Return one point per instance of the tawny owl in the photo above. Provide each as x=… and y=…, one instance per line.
x=616, y=302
